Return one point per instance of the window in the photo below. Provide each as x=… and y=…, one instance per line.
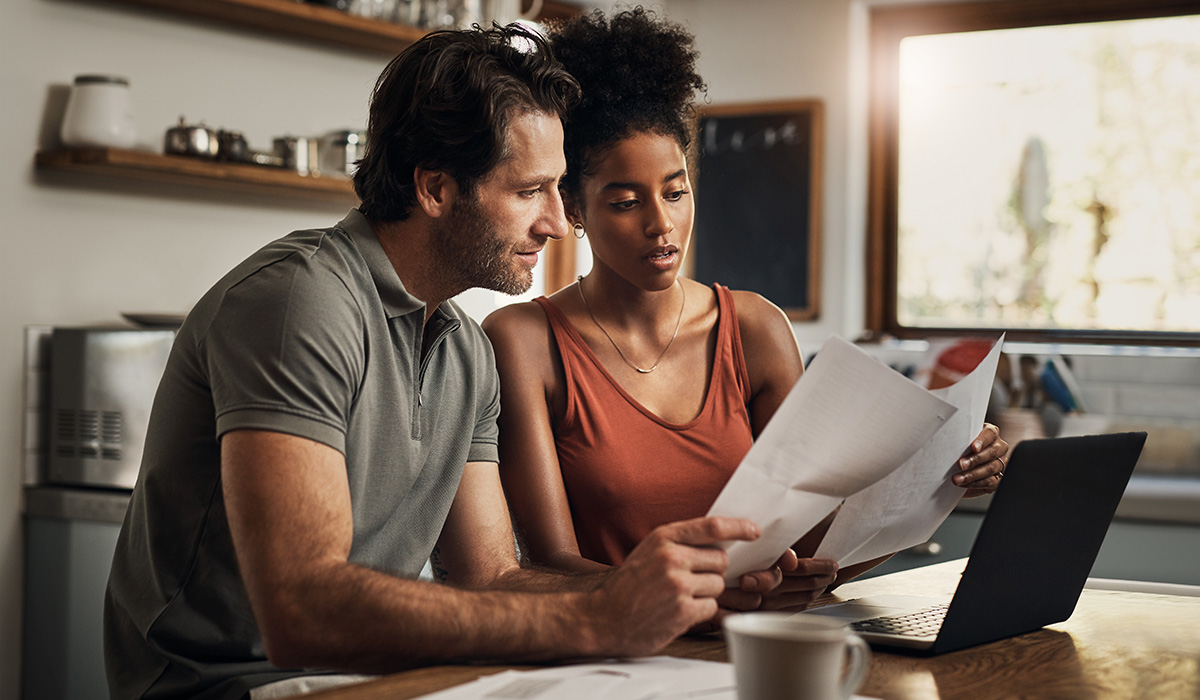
x=1035, y=167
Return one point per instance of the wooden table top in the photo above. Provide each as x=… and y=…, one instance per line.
x=1117, y=644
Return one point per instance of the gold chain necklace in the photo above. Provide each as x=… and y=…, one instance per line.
x=682, y=303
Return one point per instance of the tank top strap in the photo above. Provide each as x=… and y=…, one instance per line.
x=729, y=335
x=571, y=351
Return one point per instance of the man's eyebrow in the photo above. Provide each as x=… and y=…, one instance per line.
x=539, y=180
x=633, y=185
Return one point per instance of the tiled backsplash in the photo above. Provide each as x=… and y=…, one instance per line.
x=1160, y=395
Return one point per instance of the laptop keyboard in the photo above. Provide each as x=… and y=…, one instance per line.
x=923, y=623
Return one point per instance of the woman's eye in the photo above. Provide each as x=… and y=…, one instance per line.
x=675, y=196
x=624, y=204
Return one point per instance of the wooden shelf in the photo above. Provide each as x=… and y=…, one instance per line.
x=316, y=22
x=291, y=18
x=196, y=172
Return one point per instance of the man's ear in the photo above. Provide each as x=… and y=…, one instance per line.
x=435, y=190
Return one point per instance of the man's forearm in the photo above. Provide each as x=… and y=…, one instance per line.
x=337, y=615
x=574, y=574
x=534, y=578
x=356, y=619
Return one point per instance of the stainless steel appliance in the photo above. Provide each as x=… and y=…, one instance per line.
x=102, y=383
x=191, y=140
x=339, y=151
x=299, y=153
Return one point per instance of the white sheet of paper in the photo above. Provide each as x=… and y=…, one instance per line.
x=847, y=423
x=650, y=678
x=905, y=507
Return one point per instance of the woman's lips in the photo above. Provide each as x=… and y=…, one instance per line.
x=663, y=259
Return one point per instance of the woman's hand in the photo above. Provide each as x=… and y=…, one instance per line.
x=804, y=580
x=790, y=585
x=748, y=596
x=982, y=466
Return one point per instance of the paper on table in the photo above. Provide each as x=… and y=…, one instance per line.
x=656, y=677
x=905, y=507
x=847, y=423
x=530, y=685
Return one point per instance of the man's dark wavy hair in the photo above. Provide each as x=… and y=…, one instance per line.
x=446, y=103
x=638, y=75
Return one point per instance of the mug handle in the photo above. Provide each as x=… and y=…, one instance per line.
x=534, y=9
x=860, y=662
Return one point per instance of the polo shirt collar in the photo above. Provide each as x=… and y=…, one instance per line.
x=396, y=299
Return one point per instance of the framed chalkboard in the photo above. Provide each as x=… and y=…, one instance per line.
x=758, y=201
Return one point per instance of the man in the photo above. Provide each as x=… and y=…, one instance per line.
x=327, y=423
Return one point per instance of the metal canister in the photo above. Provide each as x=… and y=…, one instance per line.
x=191, y=140
x=341, y=150
x=231, y=146
x=299, y=153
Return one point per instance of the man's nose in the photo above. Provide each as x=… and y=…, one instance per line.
x=553, y=221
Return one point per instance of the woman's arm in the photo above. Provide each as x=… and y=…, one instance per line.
x=532, y=397
x=772, y=356
x=774, y=364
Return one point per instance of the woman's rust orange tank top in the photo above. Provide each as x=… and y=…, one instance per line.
x=626, y=470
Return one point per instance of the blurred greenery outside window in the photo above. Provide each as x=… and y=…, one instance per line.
x=1043, y=179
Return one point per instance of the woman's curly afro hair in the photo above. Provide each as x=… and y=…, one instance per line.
x=637, y=73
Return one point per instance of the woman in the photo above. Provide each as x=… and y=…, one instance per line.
x=630, y=397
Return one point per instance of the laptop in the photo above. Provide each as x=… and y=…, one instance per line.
x=1030, y=560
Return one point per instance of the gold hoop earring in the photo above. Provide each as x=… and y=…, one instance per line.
x=579, y=232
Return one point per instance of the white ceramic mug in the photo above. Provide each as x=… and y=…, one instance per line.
x=784, y=656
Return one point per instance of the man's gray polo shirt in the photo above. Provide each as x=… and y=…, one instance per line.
x=314, y=335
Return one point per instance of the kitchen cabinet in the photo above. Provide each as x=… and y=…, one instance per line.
x=70, y=537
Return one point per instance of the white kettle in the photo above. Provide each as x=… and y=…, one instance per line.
x=505, y=12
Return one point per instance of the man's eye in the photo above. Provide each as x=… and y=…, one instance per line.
x=676, y=195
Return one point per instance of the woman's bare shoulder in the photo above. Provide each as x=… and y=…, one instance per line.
x=523, y=315
x=771, y=352
x=523, y=325
x=757, y=315
x=526, y=354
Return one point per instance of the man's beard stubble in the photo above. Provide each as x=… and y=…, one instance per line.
x=473, y=254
